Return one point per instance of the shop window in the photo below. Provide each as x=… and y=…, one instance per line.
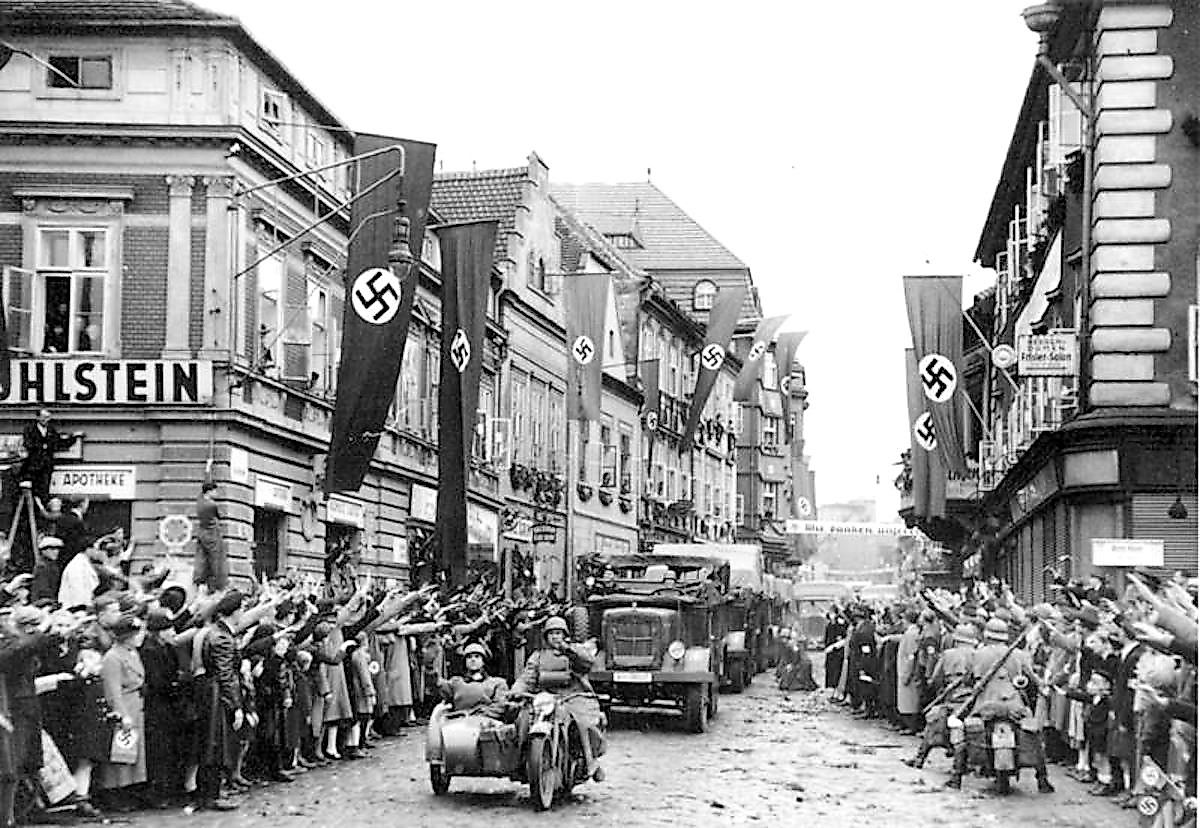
x=69, y=292
x=268, y=538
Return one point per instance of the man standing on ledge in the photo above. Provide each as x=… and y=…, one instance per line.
x=211, y=567
x=42, y=440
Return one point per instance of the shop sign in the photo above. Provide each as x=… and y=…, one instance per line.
x=826, y=527
x=109, y=382
x=1046, y=355
x=347, y=511
x=1127, y=552
x=272, y=494
x=545, y=533
x=519, y=527
x=481, y=525
x=400, y=551
x=104, y=482
x=423, y=503
x=239, y=465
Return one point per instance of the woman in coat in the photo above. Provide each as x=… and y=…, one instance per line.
x=124, y=677
x=165, y=715
x=908, y=681
x=835, y=631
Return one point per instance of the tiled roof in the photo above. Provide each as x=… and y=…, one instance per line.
x=75, y=12
x=670, y=240
x=477, y=196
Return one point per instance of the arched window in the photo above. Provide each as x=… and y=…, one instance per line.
x=703, y=295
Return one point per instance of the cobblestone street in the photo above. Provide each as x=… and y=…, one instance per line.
x=768, y=760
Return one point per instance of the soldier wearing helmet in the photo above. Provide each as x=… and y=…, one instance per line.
x=475, y=689
x=562, y=668
x=952, y=670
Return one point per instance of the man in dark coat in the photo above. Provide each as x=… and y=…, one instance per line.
x=835, y=631
x=863, y=661
x=211, y=565
x=41, y=441
x=223, y=715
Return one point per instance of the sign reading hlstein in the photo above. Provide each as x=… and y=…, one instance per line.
x=108, y=382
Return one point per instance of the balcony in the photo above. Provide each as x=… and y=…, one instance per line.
x=1042, y=406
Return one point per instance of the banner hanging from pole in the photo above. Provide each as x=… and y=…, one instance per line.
x=585, y=299
x=935, y=318
x=752, y=363
x=722, y=319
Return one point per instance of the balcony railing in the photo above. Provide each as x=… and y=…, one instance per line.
x=1043, y=405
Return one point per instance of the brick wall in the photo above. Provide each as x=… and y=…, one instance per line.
x=144, y=293
x=149, y=191
x=196, y=317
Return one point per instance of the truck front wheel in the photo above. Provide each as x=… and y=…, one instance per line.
x=695, y=708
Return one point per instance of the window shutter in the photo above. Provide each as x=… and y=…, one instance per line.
x=1150, y=520
x=18, y=307
x=297, y=333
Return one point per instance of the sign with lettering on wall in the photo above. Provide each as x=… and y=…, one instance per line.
x=422, y=503
x=109, y=382
x=104, y=482
x=272, y=494
x=1047, y=355
x=346, y=511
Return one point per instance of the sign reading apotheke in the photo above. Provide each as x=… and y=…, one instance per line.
x=104, y=482
x=272, y=494
x=109, y=382
x=1046, y=355
x=347, y=511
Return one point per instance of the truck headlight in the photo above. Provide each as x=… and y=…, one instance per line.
x=676, y=650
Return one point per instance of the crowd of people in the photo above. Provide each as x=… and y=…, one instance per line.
x=1107, y=682
x=123, y=691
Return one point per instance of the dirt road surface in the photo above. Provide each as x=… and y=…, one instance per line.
x=769, y=759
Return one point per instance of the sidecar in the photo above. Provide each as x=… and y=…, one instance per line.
x=467, y=743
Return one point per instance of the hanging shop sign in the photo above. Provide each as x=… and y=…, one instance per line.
x=101, y=482
x=1046, y=355
x=272, y=494
x=1127, y=552
x=518, y=527
x=400, y=551
x=545, y=533
x=423, y=503
x=482, y=525
x=109, y=382
x=346, y=511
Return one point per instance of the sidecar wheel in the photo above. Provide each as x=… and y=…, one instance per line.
x=542, y=773
x=439, y=780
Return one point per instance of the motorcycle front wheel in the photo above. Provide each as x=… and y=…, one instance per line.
x=439, y=780
x=541, y=772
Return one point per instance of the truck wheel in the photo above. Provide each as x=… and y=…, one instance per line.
x=577, y=623
x=713, y=695
x=542, y=773
x=439, y=780
x=695, y=708
x=737, y=677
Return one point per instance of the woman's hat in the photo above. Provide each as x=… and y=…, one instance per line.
x=158, y=620
x=126, y=626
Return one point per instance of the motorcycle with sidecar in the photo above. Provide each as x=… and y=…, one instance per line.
x=550, y=758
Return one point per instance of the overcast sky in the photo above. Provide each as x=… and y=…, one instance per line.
x=832, y=146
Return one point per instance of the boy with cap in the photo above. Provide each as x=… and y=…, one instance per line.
x=475, y=688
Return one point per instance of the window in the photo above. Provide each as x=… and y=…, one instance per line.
x=740, y=509
x=608, y=455
x=673, y=376
x=558, y=414
x=623, y=241
x=271, y=112
x=72, y=269
x=537, y=274
x=270, y=309
x=318, y=155
x=770, y=498
x=538, y=399
x=770, y=431
x=703, y=295
x=1193, y=344
x=408, y=395
x=484, y=412
x=432, y=379
x=626, y=458
x=519, y=411
x=18, y=304
x=80, y=72
x=671, y=490
x=318, y=316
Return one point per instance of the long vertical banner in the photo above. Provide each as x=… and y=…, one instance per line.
x=752, y=364
x=935, y=317
x=467, y=251
x=785, y=356
x=650, y=408
x=628, y=293
x=379, y=302
x=585, y=300
x=925, y=463
x=721, y=321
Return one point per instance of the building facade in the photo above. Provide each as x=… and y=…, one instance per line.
x=1092, y=234
x=188, y=325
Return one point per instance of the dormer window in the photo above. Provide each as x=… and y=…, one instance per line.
x=703, y=295
x=623, y=241
x=272, y=111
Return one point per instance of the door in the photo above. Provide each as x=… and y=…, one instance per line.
x=268, y=528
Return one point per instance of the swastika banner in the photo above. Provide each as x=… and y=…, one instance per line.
x=925, y=466
x=935, y=318
x=785, y=355
x=585, y=299
x=467, y=251
x=721, y=321
x=752, y=364
x=651, y=415
x=379, y=304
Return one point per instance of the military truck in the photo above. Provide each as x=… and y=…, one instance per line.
x=660, y=626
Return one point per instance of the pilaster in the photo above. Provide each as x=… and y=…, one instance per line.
x=218, y=275
x=179, y=265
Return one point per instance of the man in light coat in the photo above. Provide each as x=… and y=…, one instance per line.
x=908, y=677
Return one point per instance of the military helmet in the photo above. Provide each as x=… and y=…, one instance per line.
x=555, y=623
x=475, y=648
x=965, y=634
x=996, y=630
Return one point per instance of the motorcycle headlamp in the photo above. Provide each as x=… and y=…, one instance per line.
x=954, y=722
x=676, y=650
x=543, y=704
x=1151, y=776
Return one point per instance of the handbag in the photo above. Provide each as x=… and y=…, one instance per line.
x=124, y=750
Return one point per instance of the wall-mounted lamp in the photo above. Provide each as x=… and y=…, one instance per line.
x=1042, y=19
x=1177, y=510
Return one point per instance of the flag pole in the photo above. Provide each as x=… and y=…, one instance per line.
x=572, y=477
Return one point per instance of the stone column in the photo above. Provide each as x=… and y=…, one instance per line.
x=1127, y=226
x=218, y=272
x=179, y=265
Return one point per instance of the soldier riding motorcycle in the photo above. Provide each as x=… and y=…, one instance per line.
x=1001, y=674
x=952, y=677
